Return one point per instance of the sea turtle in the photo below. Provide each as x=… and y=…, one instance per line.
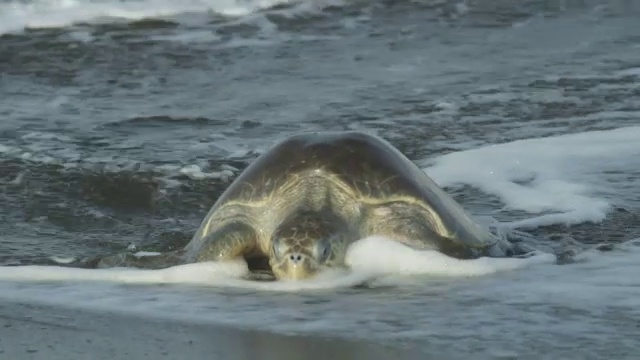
x=302, y=203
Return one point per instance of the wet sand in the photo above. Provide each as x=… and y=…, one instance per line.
x=45, y=332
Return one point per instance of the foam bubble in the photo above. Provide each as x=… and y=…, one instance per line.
x=560, y=179
x=446, y=107
x=62, y=260
x=189, y=37
x=633, y=71
x=195, y=172
x=146, y=253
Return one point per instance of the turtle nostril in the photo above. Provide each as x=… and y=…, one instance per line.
x=295, y=258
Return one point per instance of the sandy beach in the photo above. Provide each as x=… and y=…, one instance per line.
x=45, y=332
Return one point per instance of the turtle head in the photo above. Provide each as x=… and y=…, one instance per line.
x=307, y=243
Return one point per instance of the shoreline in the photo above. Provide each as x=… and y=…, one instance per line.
x=29, y=331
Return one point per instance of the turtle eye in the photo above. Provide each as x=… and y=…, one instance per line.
x=324, y=250
x=278, y=248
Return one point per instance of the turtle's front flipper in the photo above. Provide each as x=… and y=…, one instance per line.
x=413, y=226
x=232, y=241
x=229, y=242
x=159, y=261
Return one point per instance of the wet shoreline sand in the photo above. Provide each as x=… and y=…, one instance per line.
x=45, y=332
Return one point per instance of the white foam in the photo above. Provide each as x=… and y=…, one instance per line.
x=18, y=15
x=201, y=273
x=377, y=255
x=189, y=37
x=369, y=259
x=62, y=260
x=538, y=298
x=44, y=136
x=560, y=179
x=633, y=71
x=227, y=274
x=195, y=172
x=446, y=107
x=52, y=148
x=146, y=253
x=581, y=284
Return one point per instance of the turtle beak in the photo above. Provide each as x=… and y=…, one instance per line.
x=299, y=266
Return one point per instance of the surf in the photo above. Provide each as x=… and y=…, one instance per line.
x=16, y=16
x=558, y=179
x=368, y=259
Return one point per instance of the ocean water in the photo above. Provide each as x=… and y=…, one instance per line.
x=122, y=121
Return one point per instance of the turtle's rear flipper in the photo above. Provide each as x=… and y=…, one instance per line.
x=131, y=260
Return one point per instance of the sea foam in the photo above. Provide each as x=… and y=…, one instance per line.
x=560, y=179
x=18, y=15
x=369, y=259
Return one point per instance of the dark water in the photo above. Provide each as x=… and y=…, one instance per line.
x=98, y=120
x=116, y=132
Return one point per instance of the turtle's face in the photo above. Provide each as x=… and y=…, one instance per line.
x=305, y=245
